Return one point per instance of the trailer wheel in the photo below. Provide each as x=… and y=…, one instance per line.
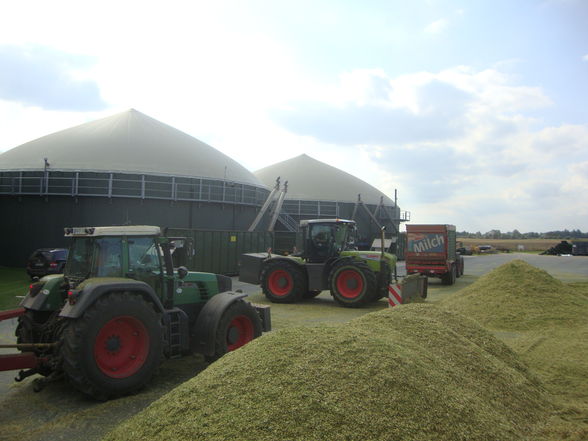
x=352, y=283
x=114, y=348
x=460, y=267
x=449, y=278
x=281, y=282
x=238, y=325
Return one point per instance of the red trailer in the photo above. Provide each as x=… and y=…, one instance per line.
x=431, y=251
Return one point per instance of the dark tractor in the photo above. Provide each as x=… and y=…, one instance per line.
x=330, y=260
x=121, y=307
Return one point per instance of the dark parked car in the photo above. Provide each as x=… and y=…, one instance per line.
x=46, y=261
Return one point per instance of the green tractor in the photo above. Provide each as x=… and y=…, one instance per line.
x=330, y=260
x=121, y=307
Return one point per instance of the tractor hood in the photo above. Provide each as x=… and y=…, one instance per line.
x=372, y=256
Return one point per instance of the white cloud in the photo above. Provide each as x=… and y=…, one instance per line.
x=437, y=26
x=461, y=144
x=496, y=166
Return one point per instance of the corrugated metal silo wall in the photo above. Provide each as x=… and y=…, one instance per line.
x=32, y=222
x=219, y=251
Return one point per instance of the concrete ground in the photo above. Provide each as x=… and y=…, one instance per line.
x=58, y=412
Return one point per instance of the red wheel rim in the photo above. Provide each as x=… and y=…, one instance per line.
x=121, y=347
x=280, y=282
x=239, y=332
x=349, y=283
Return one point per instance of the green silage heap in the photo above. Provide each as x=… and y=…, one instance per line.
x=545, y=321
x=414, y=372
x=520, y=297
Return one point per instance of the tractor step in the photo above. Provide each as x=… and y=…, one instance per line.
x=176, y=322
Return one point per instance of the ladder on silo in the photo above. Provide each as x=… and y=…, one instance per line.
x=265, y=206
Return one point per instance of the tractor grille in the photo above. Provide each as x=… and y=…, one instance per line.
x=203, y=290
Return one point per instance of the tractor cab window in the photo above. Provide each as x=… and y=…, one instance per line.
x=321, y=239
x=94, y=257
x=348, y=238
x=143, y=255
x=79, y=263
x=181, y=251
x=108, y=262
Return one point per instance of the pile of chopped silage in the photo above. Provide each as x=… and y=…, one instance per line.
x=414, y=372
x=546, y=322
x=518, y=297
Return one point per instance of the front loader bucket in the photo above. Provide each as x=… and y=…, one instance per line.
x=414, y=286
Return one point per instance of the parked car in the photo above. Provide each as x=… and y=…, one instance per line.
x=485, y=249
x=463, y=250
x=46, y=261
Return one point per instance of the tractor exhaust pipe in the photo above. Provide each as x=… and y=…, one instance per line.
x=382, y=230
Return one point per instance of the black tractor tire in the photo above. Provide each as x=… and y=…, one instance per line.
x=282, y=282
x=449, y=278
x=115, y=347
x=460, y=267
x=311, y=294
x=352, y=283
x=384, y=278
x=239, y=324
x=25, y=328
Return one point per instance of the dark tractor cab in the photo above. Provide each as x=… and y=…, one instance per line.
x=327, y=238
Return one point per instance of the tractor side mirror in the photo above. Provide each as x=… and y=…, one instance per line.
x=182, y=272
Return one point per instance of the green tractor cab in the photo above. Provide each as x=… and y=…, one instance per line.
x=120, y=307
x=329, y=261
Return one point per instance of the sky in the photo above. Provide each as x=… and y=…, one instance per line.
x=474, y=111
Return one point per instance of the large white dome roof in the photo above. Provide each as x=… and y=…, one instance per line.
x=128, y=142
x=310, y=179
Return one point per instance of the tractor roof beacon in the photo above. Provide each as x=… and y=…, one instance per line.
x=121, y=306
x=329, y=260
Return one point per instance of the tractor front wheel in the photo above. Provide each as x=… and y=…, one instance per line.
x=238, y=325
x=114, y=348
x=352, y=283
x=282, y=282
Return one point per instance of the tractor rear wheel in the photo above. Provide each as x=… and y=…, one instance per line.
x=238, y=325
x=282, y=282
x=114, y=348
x=352, y=283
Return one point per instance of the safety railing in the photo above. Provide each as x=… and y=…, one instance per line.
x=81, y=183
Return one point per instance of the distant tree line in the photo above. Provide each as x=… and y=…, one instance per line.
x=516, y=234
